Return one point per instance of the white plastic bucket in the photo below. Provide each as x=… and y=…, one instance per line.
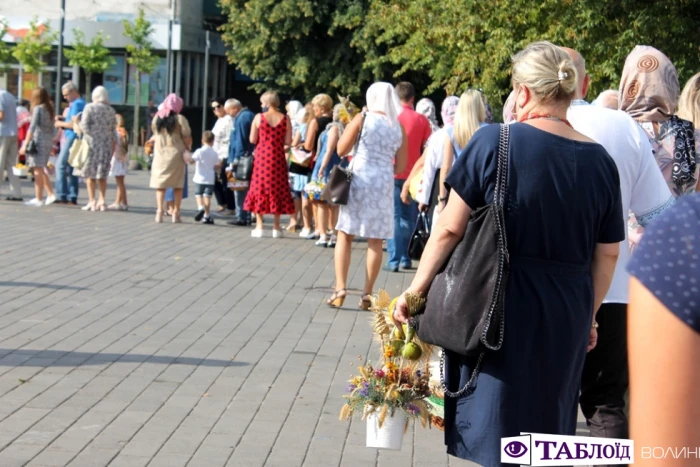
x=390, y=435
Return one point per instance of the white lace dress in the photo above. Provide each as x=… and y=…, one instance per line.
x=370, y=209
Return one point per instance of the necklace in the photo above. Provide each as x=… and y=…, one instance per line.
x=535, y=116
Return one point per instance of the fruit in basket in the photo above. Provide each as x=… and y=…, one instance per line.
x=411, y=351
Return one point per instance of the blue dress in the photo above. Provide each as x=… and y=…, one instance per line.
x=563, y=197
x=335, y=158
x=297, y=182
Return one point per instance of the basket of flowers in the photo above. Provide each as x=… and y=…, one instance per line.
x=314, y=190
x=393, y=391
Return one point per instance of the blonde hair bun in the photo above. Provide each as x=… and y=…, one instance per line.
x=567, y=76
x=546, y=70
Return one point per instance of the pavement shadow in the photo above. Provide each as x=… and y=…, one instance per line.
x=60, y=358
x=38, y=285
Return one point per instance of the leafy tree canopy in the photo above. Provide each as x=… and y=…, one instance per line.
x=139, y=51
x=5, y=50
x=34, y=46
x=93, y=57
x=303, y=47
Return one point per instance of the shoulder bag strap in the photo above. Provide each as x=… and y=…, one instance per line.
x=357, y=141
x=499, y=195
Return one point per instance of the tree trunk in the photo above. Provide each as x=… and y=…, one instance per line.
x=137, y=99
x=88, y=85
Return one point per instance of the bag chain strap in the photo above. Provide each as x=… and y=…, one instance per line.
x=498, y=200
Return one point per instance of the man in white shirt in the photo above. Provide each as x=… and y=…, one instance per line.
x=222, y=134
x=644, y=192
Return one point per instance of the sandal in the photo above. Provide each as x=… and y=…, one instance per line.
x=366, y=302
x=336, y=300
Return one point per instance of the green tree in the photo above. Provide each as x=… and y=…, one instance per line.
x=5, y=50
x=299, y=47
x=468, y=43
x=93, y=57
x=142, y=58
x=34, y=46
x=304, y=47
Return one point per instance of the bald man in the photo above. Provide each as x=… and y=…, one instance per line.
x=604, y=380
x=608, y=98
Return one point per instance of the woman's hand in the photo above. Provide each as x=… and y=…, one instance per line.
x=405, y=194
x=592, y=339
x=440, y=206
x=400, y=314
x=23, y=150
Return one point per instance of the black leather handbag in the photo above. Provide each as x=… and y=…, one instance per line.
x=244, y=169
x=337, y=190
x=31, y=148
x=420, y=237
x=464, y=310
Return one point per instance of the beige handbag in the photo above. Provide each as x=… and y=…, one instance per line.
x=79, y=153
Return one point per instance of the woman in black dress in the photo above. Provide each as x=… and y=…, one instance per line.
x=563, y=225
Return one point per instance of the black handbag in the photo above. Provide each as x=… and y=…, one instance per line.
x=244, y=169
x=420, y=237
x=464, y=310
x=31, y=148
x=337, y=190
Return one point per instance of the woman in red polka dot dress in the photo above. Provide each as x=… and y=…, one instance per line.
x=269, y=188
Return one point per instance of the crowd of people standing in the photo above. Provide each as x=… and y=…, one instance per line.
x=598, y=196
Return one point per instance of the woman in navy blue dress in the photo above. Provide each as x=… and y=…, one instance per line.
x=563, y=225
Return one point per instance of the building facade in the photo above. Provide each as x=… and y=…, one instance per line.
x=184, y=24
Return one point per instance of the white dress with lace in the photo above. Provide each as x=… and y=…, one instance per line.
x=370, y=209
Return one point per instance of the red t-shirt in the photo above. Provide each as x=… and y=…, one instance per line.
x=418, y=131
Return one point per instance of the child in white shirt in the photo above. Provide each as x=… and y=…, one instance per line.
x=207, y=163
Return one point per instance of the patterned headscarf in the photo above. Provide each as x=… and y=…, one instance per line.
x=449, y=109
x=171, y=104
x=426, y=107
x=649, y=87
x=649, y=92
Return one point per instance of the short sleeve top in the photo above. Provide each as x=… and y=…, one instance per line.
x=667, y=262
x=563, y=196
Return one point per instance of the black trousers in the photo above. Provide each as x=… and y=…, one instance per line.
x=224, y=196
x=605, y=376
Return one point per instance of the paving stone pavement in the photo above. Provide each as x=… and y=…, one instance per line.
x=126, y=343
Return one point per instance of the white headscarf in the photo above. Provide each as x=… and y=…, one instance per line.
x=382, y=97
x=294, y=107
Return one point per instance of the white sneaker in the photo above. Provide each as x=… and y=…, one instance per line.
x=257, y=233
x=277, y=234
x=34, y=202
x=50, y=200
x=304, y=233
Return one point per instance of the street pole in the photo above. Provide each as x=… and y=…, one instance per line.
x=171, y=55
x=59, y=62
x=169, y=59
x=205, y=107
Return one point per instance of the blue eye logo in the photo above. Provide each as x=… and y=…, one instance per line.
x=515, y=449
